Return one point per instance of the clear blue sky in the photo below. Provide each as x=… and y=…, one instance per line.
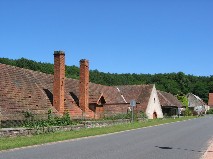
x=116, y=36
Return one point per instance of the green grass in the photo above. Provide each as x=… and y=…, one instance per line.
x=16, y=142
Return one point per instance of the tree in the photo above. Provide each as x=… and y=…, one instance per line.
x=183, y=99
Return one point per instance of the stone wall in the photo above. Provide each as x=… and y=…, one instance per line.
x=13, y=132
x=93, y=124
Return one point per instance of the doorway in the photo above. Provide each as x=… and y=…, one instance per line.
x=155, y=115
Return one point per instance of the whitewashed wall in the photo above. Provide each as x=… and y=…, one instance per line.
x=154, y=105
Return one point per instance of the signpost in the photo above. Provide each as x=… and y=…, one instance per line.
x=132, y=104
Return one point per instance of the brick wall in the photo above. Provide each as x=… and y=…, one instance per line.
x=210, y=102
x=99, y=113
x=111, y=109
x=59, y=79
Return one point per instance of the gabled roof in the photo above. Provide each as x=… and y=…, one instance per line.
x=110, y=94
x=167, y=99
x=140, y=93
x=195, y=100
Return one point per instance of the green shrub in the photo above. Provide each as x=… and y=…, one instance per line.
x=187, y=112
x=210, y=111
x=137, y=115
x=118, y=116
x=142, y=115
x=51, y=120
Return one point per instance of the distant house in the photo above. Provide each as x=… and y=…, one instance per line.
x=196, y=104
x=169, y=103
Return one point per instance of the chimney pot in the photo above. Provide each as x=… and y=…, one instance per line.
x=59, y=53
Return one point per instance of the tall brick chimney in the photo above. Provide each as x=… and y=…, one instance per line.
x=84, y=86
x=59, y=79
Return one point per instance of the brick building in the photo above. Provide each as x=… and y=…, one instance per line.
x=27, y=90
x=210, y=102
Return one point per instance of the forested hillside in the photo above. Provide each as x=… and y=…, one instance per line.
x=176, y=83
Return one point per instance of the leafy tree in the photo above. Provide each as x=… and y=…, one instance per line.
x=183, y=99
x=201, y=89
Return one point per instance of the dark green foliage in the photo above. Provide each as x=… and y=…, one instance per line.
x=11, y=123
x=29, y=64
x=210, y=111
x=142, y=115
x=137, y=115
x=118, y=116
x=51, y=120
x=28, y=115
x=175, y=83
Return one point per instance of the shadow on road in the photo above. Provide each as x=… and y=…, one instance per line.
x=173, y=148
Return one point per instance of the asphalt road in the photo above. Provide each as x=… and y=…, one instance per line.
x=182, y=140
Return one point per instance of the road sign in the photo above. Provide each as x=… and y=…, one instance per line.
x=133, y=103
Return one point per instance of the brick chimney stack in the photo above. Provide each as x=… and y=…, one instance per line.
x=84, y=86
x=210, y=102
x=59, y=79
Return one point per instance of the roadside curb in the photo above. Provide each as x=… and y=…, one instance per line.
x=209, y=151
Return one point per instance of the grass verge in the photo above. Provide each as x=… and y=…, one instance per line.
x=22, y=141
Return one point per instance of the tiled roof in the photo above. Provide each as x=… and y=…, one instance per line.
x=110, y=94
x=140, y=93
x=167, y=99
x=22, y=89
x=195, y=100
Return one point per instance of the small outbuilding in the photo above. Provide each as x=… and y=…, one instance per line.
x=196, y=104
x=169, y=103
